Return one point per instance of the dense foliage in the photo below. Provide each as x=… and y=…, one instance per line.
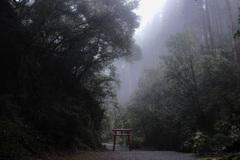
x=56, y=70
x=190, y=100
x=189, y=92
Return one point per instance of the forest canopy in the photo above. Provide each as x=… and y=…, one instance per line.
x=189, y=100
x=57, y=74
x=59, y=80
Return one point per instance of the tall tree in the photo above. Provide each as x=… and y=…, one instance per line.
x=60, y=56
x=235, y=56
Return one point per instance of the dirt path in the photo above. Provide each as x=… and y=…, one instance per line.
x=122, y=153
x=135, y=155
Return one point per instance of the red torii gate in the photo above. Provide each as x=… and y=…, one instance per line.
x=121, y=132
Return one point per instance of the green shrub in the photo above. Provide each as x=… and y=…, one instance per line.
x=232, y=156
x=199, y=143
x=12, y=140
x=219, y=142
x=15, y=142
x=137, y=142
x=187, y=145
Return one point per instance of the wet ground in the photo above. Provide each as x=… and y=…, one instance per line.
x=123, y=153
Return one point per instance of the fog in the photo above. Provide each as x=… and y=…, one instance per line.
x=161, y=19
x=179, y=74
x=149, y=11
x=150, y=14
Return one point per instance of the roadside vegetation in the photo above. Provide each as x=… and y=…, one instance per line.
x=58, y=78
x=57, y=74
x=189, y=101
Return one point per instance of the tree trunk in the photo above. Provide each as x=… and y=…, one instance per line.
x=235, y=57
x=210, y=33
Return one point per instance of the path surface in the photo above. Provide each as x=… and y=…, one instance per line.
x=122, y=153
x=138, y=155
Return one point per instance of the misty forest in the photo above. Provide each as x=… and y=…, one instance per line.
x=73, y=70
